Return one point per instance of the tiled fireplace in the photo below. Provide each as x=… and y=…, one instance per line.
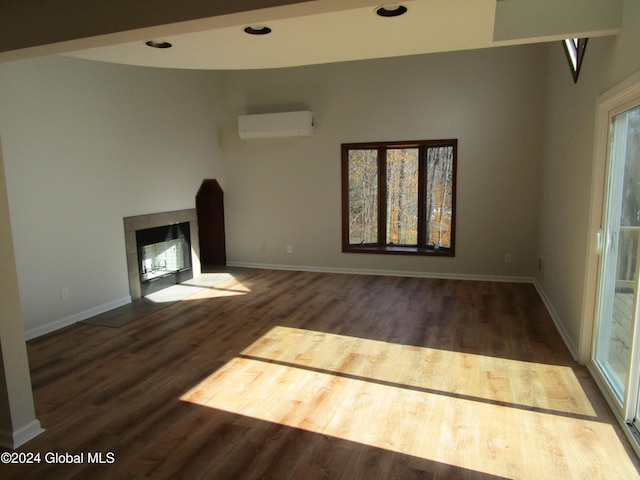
x=162, y=250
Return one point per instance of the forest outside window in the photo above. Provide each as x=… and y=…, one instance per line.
x=399, y=197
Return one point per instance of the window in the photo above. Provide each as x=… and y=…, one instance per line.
x=574, y=49
x=399, y=197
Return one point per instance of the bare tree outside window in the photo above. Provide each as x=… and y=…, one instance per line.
x=363, y=196
x=402, y=196
x=439, y=196
x=399, y=197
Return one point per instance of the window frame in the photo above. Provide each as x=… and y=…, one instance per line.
x=380, y=246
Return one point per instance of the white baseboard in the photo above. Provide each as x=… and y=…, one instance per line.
x=13, y=440
x=75, y=318
x=573, y=349
x=389, y=273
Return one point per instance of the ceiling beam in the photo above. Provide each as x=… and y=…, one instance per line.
x=27, y=24
x=518, y=21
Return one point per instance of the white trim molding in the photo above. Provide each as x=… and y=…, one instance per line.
x=573, y=348
x=75, y=318
x=13, y=440
x=388, y=273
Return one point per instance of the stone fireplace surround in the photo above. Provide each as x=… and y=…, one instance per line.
x=141, y=222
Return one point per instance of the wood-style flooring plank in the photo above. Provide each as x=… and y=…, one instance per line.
x=300, y=375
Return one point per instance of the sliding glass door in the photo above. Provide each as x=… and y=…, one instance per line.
x=615, y=352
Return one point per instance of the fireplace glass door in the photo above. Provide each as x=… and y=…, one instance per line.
x=164, y=256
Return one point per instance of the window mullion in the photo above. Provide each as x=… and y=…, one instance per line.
x=422, y=175
x=382, y=195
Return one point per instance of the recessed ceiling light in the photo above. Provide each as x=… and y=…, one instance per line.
x=393, y=10
x=257, y=30
x=158, y=44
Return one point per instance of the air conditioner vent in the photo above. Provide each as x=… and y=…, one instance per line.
x=268, y=125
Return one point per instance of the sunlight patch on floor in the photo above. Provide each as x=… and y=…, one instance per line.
x=482, y=413
x=207, y=285
x=518, y=383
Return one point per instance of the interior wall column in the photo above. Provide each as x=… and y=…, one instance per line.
x=18, y=423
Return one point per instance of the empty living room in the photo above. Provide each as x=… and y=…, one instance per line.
x=320, y=239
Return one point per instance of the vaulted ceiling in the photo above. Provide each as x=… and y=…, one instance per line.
x=316, y=32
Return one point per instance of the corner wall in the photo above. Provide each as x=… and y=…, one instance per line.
x=86, y=144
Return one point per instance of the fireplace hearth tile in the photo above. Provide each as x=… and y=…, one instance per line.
x=123, y=315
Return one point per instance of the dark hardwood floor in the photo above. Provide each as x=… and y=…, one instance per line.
x=278, y=374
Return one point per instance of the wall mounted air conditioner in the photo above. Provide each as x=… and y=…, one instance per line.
x=267, y=125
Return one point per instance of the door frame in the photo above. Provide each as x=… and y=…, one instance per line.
x=610, y=101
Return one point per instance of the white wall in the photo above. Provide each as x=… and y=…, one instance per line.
x=568, y=169
x=86, y=144
x=287, y=191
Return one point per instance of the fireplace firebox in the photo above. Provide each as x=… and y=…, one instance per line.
x=164, y=256
x=174, y=231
